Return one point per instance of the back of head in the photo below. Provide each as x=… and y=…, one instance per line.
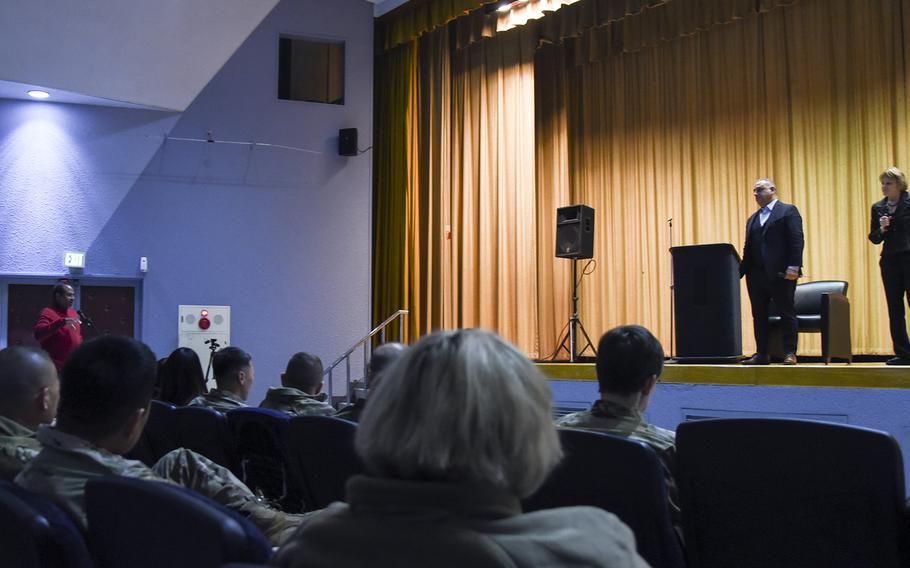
x=464, y=407
x=303, y=371
x=103, y=382
x=381, y=359
x=180, y=378
x=227, y=362
x=24, y=371
x=627, y=357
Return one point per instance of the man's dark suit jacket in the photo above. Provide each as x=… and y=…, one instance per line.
x=897, y=237
x=782, y=245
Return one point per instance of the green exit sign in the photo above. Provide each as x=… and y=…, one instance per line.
x=74, y=259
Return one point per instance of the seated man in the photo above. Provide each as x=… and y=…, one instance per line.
x=629, y=362
x=105, y=393
x=300, y=393
x=29, y=391
x=233, y=368
x=382, y=358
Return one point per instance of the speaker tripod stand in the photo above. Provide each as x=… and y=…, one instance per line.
x=569, y=333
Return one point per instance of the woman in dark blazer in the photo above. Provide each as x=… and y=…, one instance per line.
x=891, y=226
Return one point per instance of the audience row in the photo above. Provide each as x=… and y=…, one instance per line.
x=455, y=436
x=181, y=382
x=461, y=432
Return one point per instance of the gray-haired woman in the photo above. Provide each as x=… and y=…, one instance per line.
x=457, y=433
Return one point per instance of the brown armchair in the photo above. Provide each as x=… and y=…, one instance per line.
x=821, y=307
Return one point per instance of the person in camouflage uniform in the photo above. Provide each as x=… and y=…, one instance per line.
x=29, y=391
x=382, y=358
x=233, y=368
x=300, y=393
x=106, y=389
x=629, y=363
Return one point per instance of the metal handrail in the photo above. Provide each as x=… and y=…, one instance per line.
x=366, y=344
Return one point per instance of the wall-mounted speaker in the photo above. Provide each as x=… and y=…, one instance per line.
x=575, y=232
x=347, y=142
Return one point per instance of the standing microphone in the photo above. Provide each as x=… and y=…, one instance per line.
x=85, y=319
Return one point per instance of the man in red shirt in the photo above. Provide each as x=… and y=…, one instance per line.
x=58, y=328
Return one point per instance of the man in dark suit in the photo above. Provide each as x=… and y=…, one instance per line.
x=772, y=261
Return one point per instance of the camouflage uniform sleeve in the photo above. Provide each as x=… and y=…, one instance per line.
x=202, y=475
x=15, y=453
x=13, y=460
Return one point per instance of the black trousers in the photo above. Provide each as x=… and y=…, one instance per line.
x=762, y=290
x=896, y=278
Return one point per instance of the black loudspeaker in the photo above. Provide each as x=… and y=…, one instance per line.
x=575, y=232
x=347, y=142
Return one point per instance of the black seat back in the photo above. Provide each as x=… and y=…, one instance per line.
x=321, y=452
x=621, y=476
x=808, y=296
x=262, y=464
x=789, y=493
x=35, y=533
x=205, y=431
x=136, y=523
x=157, y=438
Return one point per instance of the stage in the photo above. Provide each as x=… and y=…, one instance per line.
x=834, y=375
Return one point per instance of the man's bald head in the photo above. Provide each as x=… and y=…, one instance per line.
x=29, y=389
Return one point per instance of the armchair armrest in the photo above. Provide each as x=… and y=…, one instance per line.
x=835, y=309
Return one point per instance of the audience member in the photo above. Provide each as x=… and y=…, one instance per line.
x=458, y=431
x=233, y=368
x=629, y=363
x=105, y=392
x=180, y=378
x=382, y=358
x=29, y=391
x=300, y=393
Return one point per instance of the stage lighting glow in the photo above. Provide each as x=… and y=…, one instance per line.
x=35, y=94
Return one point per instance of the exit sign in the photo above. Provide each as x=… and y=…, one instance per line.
x=74, y=259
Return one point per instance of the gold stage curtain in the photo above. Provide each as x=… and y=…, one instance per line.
x=810, y=93
x=412, y=20
x=394, y=174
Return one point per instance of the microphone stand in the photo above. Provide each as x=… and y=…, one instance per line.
x=672, y=291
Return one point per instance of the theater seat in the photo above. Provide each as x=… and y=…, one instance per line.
x=261, y=460
x=203, y=430
x=789, y=493
x=821, y=307
x=135, y=523
x=321, y=452
x=621, y=476
x=157, y=438
x=35, y=533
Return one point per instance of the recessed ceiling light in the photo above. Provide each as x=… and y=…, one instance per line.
x=35, y=94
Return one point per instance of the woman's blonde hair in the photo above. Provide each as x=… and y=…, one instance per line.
x=895, y=174
x=461, y=406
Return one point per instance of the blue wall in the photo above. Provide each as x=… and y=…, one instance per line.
x=281, y=236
